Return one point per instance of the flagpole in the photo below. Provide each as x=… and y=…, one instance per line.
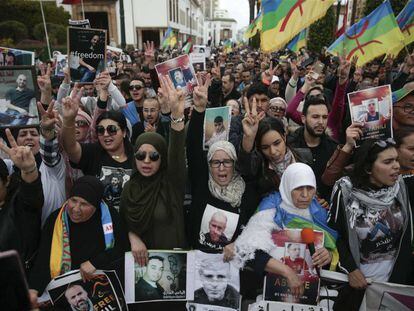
x=83, y=10
x=44, y=24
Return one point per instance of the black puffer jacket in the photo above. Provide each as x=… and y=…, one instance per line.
x=20, y=219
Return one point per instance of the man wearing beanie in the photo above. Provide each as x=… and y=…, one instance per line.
x=83, y=234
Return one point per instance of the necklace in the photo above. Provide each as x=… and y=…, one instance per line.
x=116, y=157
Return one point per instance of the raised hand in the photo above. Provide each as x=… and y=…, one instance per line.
x=216, y=72
x=149, y=54
x=66, y=72
x=343, y=70
x=43, y=81
x=175, y=98
x=251, y=119
x=294, y=67
x=200, y=93
x=150, y=128
x=70, y=104
x=103, y=80
x=21, y=156
x=49, y=117
x=353, y=133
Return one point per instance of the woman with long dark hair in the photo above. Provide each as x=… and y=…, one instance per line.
x=370, y=209
x=110, y=159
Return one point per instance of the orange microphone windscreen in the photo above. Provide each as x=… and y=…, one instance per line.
x=307, y=235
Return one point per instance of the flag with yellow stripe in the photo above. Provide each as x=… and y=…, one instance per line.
x=374, y=35
x=284, y=19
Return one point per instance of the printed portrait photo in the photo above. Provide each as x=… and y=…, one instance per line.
x=217, y=227
x=295, y=257
x=216, y=125
x=87, y=53
x=177, y=77
x=163, y=278
x=216, y=282
x=18, y=93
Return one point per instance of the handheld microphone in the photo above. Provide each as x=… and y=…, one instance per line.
x=308, y=236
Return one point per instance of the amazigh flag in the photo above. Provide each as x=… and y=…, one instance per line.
x=228, y=46
x=374, y=35
x=284, y=19
x=188, y=46
x=254, y=27
x=169, y=40
x=406, y=22
x=298, y=42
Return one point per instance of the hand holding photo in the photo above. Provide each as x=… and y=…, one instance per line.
x=216, y=125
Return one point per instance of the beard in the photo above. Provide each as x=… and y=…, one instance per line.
x=312, y=132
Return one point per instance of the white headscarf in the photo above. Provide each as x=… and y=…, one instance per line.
x=296, y=175
x=233, y=192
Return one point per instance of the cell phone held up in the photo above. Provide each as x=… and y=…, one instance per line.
x=317, y=70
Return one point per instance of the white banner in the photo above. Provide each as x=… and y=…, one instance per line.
x=388, y=296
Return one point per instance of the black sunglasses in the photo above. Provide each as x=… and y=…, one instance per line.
x=142, y=155
x=111, y=129
x=81, y=123
x=135, y=87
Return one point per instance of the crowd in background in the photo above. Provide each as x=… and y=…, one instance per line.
x=127, y=151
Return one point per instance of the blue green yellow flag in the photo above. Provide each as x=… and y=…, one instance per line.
x=374, y=35
x=169, y=40
x=254, y=27
x=228, y=46
x=298, y=42
x=406, y=22
x=284, y=19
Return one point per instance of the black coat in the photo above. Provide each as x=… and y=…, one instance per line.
x=20, y=219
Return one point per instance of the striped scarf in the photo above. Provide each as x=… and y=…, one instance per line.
x=60, y=255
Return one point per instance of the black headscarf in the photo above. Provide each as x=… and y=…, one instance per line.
x=141, y=194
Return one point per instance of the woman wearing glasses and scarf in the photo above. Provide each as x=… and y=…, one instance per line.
x=110, y=159
x=370, y=209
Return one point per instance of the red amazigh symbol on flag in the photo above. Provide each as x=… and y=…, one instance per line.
x=407, y=28
x=359, y=45
x=298, y=4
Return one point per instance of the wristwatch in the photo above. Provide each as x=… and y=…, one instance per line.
x=179, y=120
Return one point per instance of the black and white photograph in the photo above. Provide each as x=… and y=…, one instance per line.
x=217, y=227
x=18, y=93
x=87, y=53
x=72, y=293
x=177, y=77
x=216, y=283
x=164, y=278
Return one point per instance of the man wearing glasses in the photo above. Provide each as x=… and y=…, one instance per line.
x=133, y=110
x=403, y=100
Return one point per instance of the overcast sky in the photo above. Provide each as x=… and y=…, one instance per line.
x=238, y=9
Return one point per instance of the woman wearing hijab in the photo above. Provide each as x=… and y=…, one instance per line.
x=294, y=207
x=370, y=209
x=221, y=200
x=152, y=200
x=277, y=109
x=79, y=236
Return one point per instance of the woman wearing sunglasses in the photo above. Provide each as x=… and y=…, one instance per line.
x=152, y=201
x=110, y=159
x=370, y=209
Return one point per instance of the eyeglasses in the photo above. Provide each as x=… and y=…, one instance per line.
x=142, y=155
x=217, y=163
x=385, y=143
x=136, y=87
x=408, y=107
x=81, y=123
x=277, y=109
x=111, y=129
x=152, y=110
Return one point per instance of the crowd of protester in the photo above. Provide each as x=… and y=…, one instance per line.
x=125, y=150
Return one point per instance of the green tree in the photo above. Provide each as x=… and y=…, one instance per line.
x=28, y=13
x=57, y=33
x=397, y=6
x=321, y=33
x=14, y=30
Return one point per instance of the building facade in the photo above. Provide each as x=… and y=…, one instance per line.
x=146, y=20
